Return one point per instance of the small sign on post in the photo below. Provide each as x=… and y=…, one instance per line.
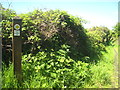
x=17, y=30
x=16, y=46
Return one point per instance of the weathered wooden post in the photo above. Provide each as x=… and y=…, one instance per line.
x=16, y=47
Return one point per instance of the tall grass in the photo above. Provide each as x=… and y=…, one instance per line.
x=102, y=73
x=8, y=78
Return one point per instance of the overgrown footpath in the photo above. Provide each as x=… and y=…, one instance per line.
x=104, y=71
x=116, y=66
x=58, y=52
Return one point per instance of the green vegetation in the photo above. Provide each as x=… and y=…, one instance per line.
x=41, y=72
x=117, y=29
x=58, y=52
x=102, y=72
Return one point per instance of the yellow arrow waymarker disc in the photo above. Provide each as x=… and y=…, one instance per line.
x=17, y=26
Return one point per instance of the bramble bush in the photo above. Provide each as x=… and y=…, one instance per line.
x=51, y=29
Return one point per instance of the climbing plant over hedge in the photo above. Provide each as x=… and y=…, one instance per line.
x=50, y=29
x=47, y=30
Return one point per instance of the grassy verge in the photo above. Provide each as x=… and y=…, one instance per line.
x=102, y=73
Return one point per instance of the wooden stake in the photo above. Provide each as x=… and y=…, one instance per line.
x=16, y=46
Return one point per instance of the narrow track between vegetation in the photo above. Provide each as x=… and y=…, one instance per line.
x=115, y=84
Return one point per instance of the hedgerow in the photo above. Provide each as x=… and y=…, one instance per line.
x=57, y=50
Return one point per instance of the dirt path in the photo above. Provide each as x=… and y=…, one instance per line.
x=115, y=84
x=116, y=74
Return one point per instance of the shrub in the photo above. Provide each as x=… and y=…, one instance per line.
x=49, y=30
x=50, y=33
x=100, y=37
x=61, y=70
x=7, y=15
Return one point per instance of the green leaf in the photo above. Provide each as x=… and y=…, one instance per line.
x=53, y=75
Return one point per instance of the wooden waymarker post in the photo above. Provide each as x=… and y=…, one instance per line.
x=16, y=47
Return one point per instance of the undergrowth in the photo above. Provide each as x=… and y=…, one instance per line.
x=58, y=52
x=58, y=71
x=102, y=72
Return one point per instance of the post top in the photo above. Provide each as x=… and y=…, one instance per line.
x=16, y=17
